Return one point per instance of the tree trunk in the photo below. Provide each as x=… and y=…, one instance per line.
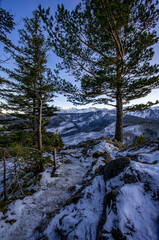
x=119, y=117
x=34, y=118
x=41, y=167
x=34, y=121
x=40, y=126
x=4, y=178
x=34, y=111
x=34, y=108
x=17, y=177
x=119, y=102
x=54, y=156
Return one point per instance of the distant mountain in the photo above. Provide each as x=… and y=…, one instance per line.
x=151, y=113
x=75, y=110
x=84, y=110
x=76, y=124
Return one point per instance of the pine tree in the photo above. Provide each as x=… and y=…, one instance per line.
x=6, y=26
x=107, y=45
x=31, y=81
x=53, y=143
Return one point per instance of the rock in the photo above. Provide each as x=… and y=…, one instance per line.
x=128, y=179
x=117, y=234
x=67, y=161
x=72, y=189
x=11, y=221
x=115, y=167
x=109, y=202
x=105, y=155
x=75, y=198
x=118, y=144
x=98, y=154
x=108, y=157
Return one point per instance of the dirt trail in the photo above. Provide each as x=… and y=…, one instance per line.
x=51, y=195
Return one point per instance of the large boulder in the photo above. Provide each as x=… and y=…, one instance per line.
x=115, y=167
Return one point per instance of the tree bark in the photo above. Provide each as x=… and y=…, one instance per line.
x=4, y=178
x=40, y=126
x=119, y=100
x=119, y=117
x=17, y=177
x=41, y=165
x=34, y=110
x=34, y=121
x=54, y=156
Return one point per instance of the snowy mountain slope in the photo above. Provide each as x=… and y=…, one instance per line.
x=76, y=110
x=95, y=124
x=85, y=122
x=151, y=113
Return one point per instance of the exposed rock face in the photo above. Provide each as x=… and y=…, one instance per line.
x=105, y=155
x=128, y=178
x=115, y=167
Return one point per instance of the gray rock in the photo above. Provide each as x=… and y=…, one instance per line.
x=128, y=179
x=115, y=167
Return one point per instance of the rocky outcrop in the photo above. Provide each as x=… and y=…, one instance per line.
x=115, y=167
x=131, y=197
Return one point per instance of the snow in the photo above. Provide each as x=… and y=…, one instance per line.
x=151, y=113
x=103, y=147
x=135, y=211
x=75, y=139
x=62, y=127
x=149, y=157
x=131, y=202
x=51, y=194
x=147, y=149
x=80, y=220
x=84, y=136
x=78, y=110
x=110, y=129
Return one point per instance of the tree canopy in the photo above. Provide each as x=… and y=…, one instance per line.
x=6, y=26
x=107, y=45
x=31, y=87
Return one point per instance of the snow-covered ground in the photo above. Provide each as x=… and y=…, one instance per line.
x=124, y=207
x=53, y=192
x=136, y=207
x=81, y=202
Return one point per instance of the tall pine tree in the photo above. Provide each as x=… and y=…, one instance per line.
x=33, y=86
x=6, y=26
x=107, y=45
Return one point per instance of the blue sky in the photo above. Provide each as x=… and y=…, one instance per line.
x=24, y=8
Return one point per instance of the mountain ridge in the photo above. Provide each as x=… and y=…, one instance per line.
x=75, y=124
